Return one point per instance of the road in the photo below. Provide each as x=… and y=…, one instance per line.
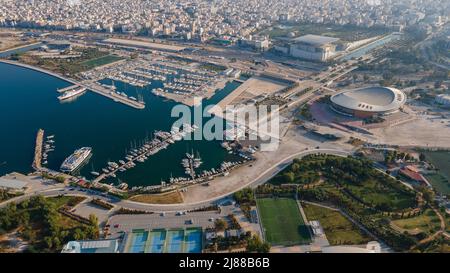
x=59, y=189
x=437, y=233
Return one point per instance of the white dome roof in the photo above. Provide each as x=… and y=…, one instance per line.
x=370, y=99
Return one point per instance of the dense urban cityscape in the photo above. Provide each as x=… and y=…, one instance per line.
x=225, y=126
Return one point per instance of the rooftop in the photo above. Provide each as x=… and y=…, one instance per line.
x=371, y=99
x=316, y=40
x=94, y=246
x=145, y=44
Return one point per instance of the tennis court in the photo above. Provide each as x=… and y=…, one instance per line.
x=165, y=241
x=193, y=240
x=138, y=240
x=156, y=241
x=175, y=241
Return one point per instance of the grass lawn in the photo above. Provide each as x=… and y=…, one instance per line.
x=212, y=67
x=163, y=198
x=375, y=193
x=441, y=160
x=89, y=64
x=338, y=229
x=63, y=200
x=282, y=221
x=439, y=182
x=426, y=222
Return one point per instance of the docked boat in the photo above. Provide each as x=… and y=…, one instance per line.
x=72, y=93
x=95, y=173
x=113, y=164
x=75, y=160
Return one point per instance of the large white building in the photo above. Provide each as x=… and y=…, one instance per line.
x=313, y=47
x=368, y=101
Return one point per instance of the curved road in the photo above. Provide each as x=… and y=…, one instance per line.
x=261, y=179
x=59, y=189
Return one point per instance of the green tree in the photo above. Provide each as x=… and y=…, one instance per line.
x=255, y=244
x=289, y=177
x=220, y=224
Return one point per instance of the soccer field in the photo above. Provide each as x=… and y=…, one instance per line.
x=282, y=221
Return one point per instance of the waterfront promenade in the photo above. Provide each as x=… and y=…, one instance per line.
x=90, y=85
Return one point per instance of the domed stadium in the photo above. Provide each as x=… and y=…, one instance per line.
x=368, y=101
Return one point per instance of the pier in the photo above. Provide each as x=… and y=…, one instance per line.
x=38, y=150
x=109, y=93
x=62, y=90
x=150, y=151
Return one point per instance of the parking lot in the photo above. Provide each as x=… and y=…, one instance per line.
x=204, y=219
x=86, y=208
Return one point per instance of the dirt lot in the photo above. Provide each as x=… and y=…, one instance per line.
x=251, y=88
x=425, y=131
x=164, y=198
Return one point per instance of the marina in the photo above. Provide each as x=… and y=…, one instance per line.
x=92, y=121
x=175, y=79
x=161, y=141
x=89, y=85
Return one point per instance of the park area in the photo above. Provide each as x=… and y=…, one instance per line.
x=427, y=222
x=282, y=221
x=89, y=58
x=357, y=180
x=338, y=229
x=89, y=64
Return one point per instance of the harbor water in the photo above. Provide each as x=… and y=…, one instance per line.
x=28, y=101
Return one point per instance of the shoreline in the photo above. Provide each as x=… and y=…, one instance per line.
x=41, y=70
x=95, y=89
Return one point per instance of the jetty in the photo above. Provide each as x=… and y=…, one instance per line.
x=154, y=147
x=38, y=150
x=68, y=88
x=91, y=86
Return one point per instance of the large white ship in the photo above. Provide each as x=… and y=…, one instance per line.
x=72, y=93
x=75, y=160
